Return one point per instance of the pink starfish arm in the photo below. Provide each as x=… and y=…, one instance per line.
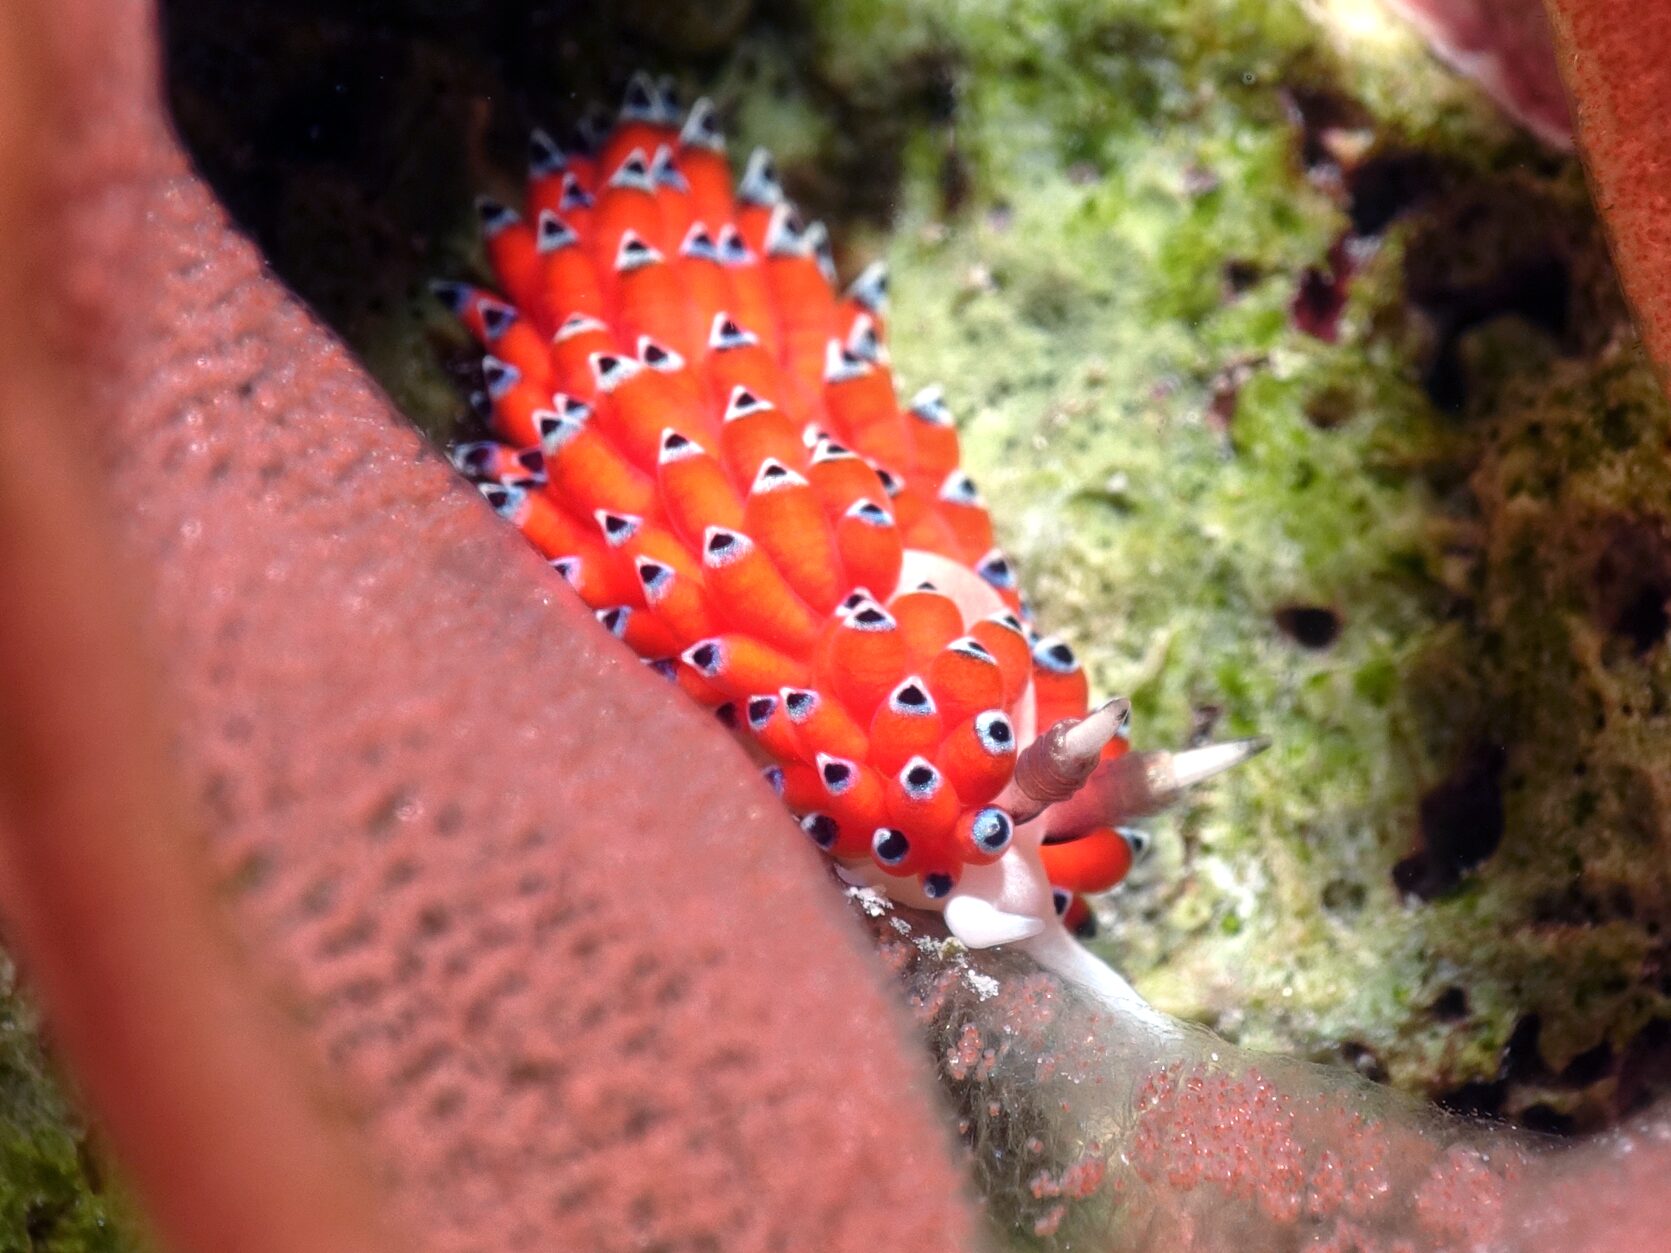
x=576, y=972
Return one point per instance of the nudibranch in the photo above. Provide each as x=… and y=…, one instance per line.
x=703, y=438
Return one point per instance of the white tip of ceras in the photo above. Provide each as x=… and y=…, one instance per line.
x=664, y=170
x=727, y=334
x=870, y=289
x=816, y=239
x=743, y=403
x=929, y=405
x=676, y=447
x=612, y=369
x=499, y=377
x=864, y=343
x=840, y=365
x=494, y=216
x=455, y=297
x=759, y=185
x=474, y=458
x=701, y=128
x=506, y=501
x=669, y=104
x=634, y=173
x=698, y=244
x=659, y=356
x=551, y=233
x=774, y=476
x=497, y=317
x=634, y=254
x=722, y=546
x=641, y=102
x=785, y=236
x=545, y=155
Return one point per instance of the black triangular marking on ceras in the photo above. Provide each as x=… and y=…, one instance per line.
x=870, y=289
x=799, y=703
x=668, y=107
x=701, y=128
x=760, y=711
x=497, y=318
x=634, y=173
x=663, y=171
x=733, y=249
x=993, y=829
x=771, y=475
x=821, y=828
x=998, y=730
x=699, y=245
x=499, y=376
x=836, y=774
x=727, y=334
x=617, y=527
x=638, y=102
x=574, y=196
x=473, y=458
x=891, y=845
x=454, y=297
x=996, y=570
x=652, y=574
x=545, y=155
x=634, y=254
x=552, y=233
x=759, y=185
x=722, y=544
x=1055, y=655
x=911, y=699
x=494, y=216
x=501, y=498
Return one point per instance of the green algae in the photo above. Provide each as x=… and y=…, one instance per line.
x=52, y=1199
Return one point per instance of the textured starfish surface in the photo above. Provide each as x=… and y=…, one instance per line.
x=1614, y=58
x=552, y=990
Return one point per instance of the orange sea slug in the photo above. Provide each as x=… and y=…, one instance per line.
x=704, y=439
